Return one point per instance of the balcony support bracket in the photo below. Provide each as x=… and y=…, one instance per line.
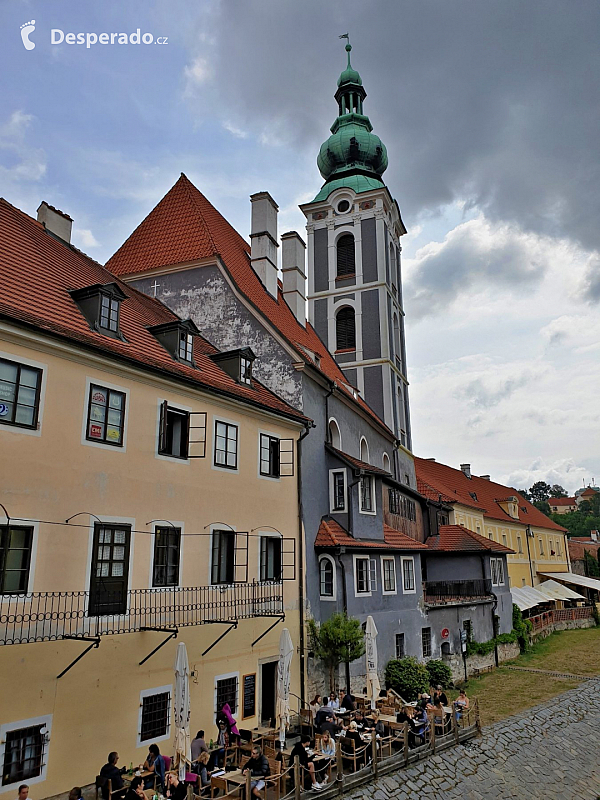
x=95, y=642
x=172, y=635
x=270, y=628
x=232, y=624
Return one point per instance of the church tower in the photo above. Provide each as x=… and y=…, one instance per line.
x=354, y=278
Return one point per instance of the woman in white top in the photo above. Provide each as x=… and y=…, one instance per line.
x=333, y=702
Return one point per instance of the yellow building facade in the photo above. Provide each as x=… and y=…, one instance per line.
x=191, y=545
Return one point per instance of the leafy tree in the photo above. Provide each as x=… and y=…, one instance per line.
x=592, y=569
x=540, y=491
x=543, y=506
x=585, y=508
x=557, y=491
x=577, y=523
x=524, y=493
x=338, y=640
x=440, y=674
x=407, y=677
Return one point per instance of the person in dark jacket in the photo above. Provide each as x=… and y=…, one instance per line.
x=112, y=773
x=136, y=789
x=258, y=766
x=352, y=734
x=348, y=702
x=306, y=765
x=175, y=789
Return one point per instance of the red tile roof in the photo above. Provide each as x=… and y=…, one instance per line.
x=455, y=487
x=185, y=227
x=589, y=492
x=37, y=273
x=578, y=546
x=455, y=538
x=562, y=501
x=356, y=463
x=331, y=534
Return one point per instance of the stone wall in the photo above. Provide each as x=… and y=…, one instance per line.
x=506, y=652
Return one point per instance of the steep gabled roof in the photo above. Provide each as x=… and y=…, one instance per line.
x=331, y=534
x=185, y=227
x=579, y=546
x=39, y=271
x=457, y=539
x=455, y=487
x=562, y=501
x=355, y=463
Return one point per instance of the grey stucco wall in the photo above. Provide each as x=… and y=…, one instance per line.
x=369, y=249
x=373, y=378
x=371, y=330
x=320, y=319
x=443, y=567
x=320, y=260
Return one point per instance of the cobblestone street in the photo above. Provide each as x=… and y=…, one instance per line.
x=550, y=752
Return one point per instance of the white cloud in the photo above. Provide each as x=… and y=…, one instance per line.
x=565, y=472
x=237, y=132
x=27, y=163
x=197, y=73
x=84, y=238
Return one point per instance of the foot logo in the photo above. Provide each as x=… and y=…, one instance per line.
x=26, y=30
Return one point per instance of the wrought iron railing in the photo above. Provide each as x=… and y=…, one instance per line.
x=48, y=616
x=452, y=591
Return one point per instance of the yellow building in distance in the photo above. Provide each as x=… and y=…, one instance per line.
x=148, y=497
x=499, y=513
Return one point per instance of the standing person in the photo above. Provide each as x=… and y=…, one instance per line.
x=258, y=766
x=299, y=750
x=222, y=743
x=111, y=772
x=198, y=746
x=155, y=763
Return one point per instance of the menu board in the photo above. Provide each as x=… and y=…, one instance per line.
x=249, y=695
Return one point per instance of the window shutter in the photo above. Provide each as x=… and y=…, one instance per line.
x=372, y=575
x=196, y=434
x=286, y=458
x=345, y=329
x=288, y=559
x=240, y=557
x=345, y=256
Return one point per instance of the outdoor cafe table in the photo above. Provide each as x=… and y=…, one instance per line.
x=235, y=777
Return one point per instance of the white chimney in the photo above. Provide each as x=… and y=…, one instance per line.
x=55, y=221
x=263, y=237
x=466, y=469
x=293, y=252
x=594, y=535
x=485, y=477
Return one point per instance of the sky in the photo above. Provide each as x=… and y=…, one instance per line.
x=490, y=113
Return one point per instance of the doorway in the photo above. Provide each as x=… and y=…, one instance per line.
x=268, y=691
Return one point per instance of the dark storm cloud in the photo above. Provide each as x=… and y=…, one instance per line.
x=496, y=103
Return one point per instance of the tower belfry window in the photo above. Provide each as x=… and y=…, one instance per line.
x=345, y=329
x=345, y=256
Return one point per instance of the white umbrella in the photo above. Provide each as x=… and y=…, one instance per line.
x=373, y=686
x=181, y=711
x=286, y=651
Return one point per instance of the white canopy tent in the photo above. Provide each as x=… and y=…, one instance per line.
x=572, y=578
x=286, y=651
x=556, y=591
x=373, y=686
x=181, y=711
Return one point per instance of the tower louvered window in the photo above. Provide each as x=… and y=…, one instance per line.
x=345, y=256
x=345, y=329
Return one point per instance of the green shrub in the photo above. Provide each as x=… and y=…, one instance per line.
x=440, y=674
x=407, y=677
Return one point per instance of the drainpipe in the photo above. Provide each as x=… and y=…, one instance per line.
x=302, y=436
x=345, y=605
x=528, y=534
x=494, y=607
x=327, y=396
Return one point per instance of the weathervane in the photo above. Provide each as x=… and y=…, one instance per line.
x=346, y=36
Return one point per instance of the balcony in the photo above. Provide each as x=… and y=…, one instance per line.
x=452, y=592
x=51, y=616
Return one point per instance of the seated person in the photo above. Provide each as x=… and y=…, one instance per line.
x=377, y=724
x=405, y=715
x=348, y=701
x=136, y=789
x=175, y=789
x=111, y=772
x=322, y=715
x=258, y=766
x=333, y=702
x=154, y=763
x=204, y=772
x=330, y=726
x=352, y=734
x=360, y=720
x=222, y=743
x=306, y=765
x=419, y=725
x=198, y=746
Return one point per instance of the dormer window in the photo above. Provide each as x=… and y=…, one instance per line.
x=100, y=304
x=237, y=364
x=177, y=337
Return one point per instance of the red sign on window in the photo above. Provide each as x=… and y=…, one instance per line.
x=96, y=431
x=445, y=633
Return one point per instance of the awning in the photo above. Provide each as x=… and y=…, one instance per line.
x=556, y=591
x=571, y=577
x=520, y=599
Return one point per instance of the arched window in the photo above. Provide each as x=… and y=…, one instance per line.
x=335, y=437
x=386, y=462
x=345, y=331
x=345, y=256
x=364, y=450
x=326, y=577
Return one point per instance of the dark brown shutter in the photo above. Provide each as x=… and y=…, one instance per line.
x=345, y=256
x=345, y=329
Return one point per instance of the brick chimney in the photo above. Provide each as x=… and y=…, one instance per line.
x=55, y=221
x=263, y=237
x=293, y=251
x=466, y=470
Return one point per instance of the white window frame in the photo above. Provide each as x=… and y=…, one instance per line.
x=401, y=633
x=541, y=542
x=372, y=575
x=229, y=470
x=519, y=544
x=176, y=407
x=339, y=432
x=383, y=589
x=360, y=448
x=177, y=524
x=15, y=726
x=27, y=362
x=264, y=535
x=332, y=509
x=215, y=527
x=505, y=539
x=386, y=463
x=224, y=677
x=149, y=693
x=373, y=511
x=404, y=589
x=497, y=572
x=99, y=380
x=356, y=559
x=325, y=597
x=272, y=435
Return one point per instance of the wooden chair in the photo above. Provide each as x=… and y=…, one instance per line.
x=275, y=779
x=269, y=752
x=306, y=720
x=385, y=744
x=102, y=782
x=245, y=744
x=230, y=759
x=349, y=753
x=217, y=783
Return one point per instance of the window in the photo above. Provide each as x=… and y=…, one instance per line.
x=388, y=575
x=399, y=504
x=15, y=558
x=269, y=456
x=109, y=313
x=504, y=540
x=385, y=462
x=223, y=557
x=186, y=346
x=156, y=716
x=366, y=493
x=326, y=577
x=106, y=416
x=343, y=206
x=245, y=370
x=167, y=545
x=372, y=575
x=338, y=490
x=541, y=541
x=468, y=628
x=408, y=574
x=19, y=394
x=500, y=569
x=270, y=558
x=519, y=544
x=364, y=450
x=227, y=691
x=24, y=753
x=110, y=570
x=345, y=331
x=497, y=570
x=558, y=553
x=426, y=641
x=490, y=534
x=226, y=445
x=335, y=437
x=173, y=432
x=362, y=575
x=400, y=650
x=345, y=255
